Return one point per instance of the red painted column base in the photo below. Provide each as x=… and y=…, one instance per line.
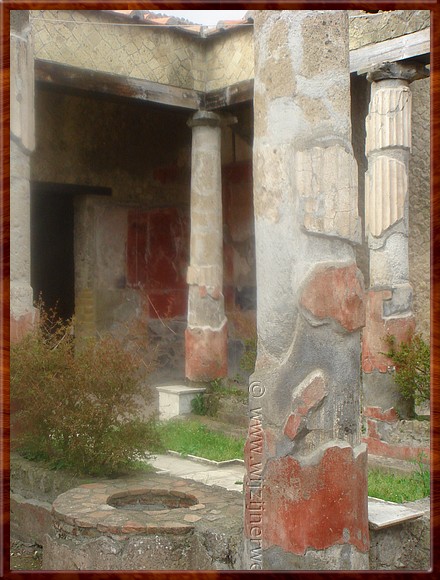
x=206, y=353
x=314, y=505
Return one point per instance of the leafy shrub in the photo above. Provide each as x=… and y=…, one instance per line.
x=242, y=325
x=75, y=401
x=208, y=403
x=198, y=406
x=247, y=361
x=412, y=360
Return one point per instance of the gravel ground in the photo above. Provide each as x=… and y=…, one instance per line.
x=25, y=556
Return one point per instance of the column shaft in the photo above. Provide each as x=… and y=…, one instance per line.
x=206, y=334
x=389, y=305
x=301, y=512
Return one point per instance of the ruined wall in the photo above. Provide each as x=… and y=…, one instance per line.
x=370, y=28
x=158, y=54
x=420, y=205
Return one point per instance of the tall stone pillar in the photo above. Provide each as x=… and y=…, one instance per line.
x=22, y=144
x=206, y=353
x=389, y=304
x=306, y=481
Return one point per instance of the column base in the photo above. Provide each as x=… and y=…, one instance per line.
x=206, y=353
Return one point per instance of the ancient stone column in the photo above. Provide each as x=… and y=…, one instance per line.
x=206, y=334
x=306, y=482
x=22, y=144
x=389, y=304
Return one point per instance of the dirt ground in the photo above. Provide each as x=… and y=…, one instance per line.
x=25, y=556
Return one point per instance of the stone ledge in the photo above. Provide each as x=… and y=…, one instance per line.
x=30, y=519
x=198, y=459
x=175, y=400
x=90, y=506
x=383, y=514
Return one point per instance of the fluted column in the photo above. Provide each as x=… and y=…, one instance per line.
x=389, y=305
x=206, y=334
x=305, y=483
x=22, y=144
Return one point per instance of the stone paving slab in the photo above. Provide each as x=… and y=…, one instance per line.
x=225, y=476
x=383, y=514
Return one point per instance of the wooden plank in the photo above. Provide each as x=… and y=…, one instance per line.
x=400, y=48
x=236, y=93
x=98, y=82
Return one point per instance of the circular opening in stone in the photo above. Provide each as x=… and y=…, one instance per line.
x=152, y=500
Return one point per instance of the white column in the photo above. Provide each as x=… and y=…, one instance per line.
x=389, y=306
x=206, y=334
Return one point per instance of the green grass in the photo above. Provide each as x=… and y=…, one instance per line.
x=398, y=488
x=194, y=438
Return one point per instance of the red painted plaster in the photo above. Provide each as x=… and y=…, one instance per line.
x=337, y=293
x=376, y=329
x=20, y=326
x=389, y=416
x=308, y=397
x=166, y=174
x=312, y=506
x=404, y=452
x=373, y=433
x=157, y=259
x=293, y=424
x=206, y=353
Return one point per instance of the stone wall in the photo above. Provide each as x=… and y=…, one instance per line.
x=229, y=58
x=404, y=546
x=420, y=205
x=96, y=40
x=370, y=28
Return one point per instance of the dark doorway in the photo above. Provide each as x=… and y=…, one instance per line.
x=52, y=244
x=52, y=261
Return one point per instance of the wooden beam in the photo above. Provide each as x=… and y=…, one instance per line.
x=98, y=82
x=400, y=48
x=232, y=95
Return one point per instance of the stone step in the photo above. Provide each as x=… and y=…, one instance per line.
x=383, y=514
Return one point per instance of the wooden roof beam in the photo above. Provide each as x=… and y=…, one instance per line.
x=103, y=83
